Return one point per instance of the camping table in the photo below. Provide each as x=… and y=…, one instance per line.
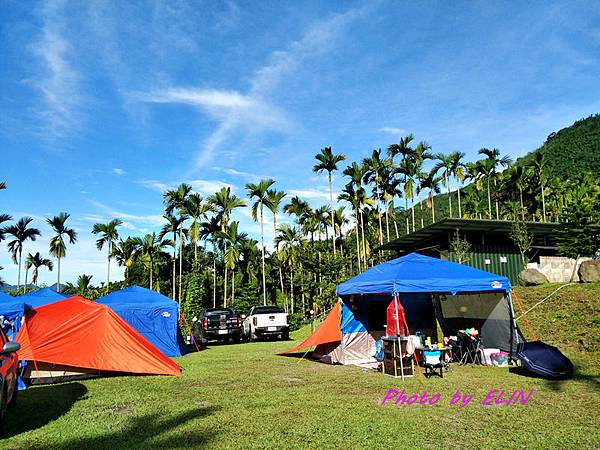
x=443, y=351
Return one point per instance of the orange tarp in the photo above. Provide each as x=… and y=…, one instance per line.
x=328, y=331
x=80, y=333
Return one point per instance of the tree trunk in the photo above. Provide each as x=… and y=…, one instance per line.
x=449, y=194
x=433, y=208
x=19, y=276
x=379, y=215
x=543, y=203
x=522, y=208
x=233, y=287
x=396, y=226
x=489, y=193
x=180, y=261
x=151, y=270
x=25, y=285
x=214, y=275
x=421, y=207
x=58, y=275
x=412, y=209
x=362, y=226
x=387, y=223
x=574, y=269
x=292, y=287
x=262, y=247
x=225, y=287
x=406, y=207
x=174, y=262
x=108, y=268
x=357, y=243
x=332, y=213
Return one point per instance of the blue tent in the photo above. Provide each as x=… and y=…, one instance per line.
x=42, y=297
x=12, y=310
x=418, y=273
x=429, y=290
x=152, y=314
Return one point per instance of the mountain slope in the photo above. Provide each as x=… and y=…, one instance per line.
x=572, y=150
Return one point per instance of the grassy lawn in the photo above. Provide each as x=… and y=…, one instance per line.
x=244, y=396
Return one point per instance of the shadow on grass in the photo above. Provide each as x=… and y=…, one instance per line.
x=557, y=385
x=145, y=432
x=40, y=405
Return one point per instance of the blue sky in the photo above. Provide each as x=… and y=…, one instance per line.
x=105, y=104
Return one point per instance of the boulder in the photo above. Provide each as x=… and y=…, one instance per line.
x=589, y=271
x=532, y=277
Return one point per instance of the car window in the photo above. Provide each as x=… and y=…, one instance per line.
x=267, y=310
x=218, y=312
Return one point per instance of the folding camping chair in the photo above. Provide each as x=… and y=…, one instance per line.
x=470, y=350
x=432, y=362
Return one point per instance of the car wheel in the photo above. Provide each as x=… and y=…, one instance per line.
x=285, y=335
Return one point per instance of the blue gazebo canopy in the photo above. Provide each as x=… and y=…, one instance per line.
x=414, y=273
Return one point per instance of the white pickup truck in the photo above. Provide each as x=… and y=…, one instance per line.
x=266, y=321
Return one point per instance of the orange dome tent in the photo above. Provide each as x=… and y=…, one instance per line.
x=75, y=337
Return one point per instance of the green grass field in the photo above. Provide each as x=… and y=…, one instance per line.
x=245, y=396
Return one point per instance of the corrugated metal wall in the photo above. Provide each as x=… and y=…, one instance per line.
x=503, y=260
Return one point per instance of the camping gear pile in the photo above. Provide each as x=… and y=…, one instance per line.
x=422, y=290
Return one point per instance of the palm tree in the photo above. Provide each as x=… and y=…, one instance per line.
x=297, y=207
x=404, y=149
x=231, y=257
x=196, y=210
x=328, y=162
x=126, y=253
x=83, y=284
x=36, y=261
x=350, y=195
x=357, y=172
x=224, y=202
x=432, y=184
x=108, y=234
x=260, y=192
x=376, y=168
x=421, y=154
x=275, y=198
x=289, y=237
x=488, y=168
x=518, y=177
x=445, y=165
x=173, y=225
x=338, y=224
x=4, y=218
x=151, y=247
x=458, y=172
x=177, y=200
x=209, y=232
x=539, y=165
x=21, y=234
x=58, y=248
x=407, y=168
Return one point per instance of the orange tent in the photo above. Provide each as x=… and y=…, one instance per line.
x=81, y=336
x=328, y=331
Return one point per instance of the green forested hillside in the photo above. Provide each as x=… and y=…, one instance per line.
x=572, y=150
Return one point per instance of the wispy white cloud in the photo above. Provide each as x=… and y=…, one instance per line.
x=247, y=176
x=205, y=187
x=144, y=219
x=312, y=194
x=392, y=130
x=252, y=112
x=118, y=171
x=59, y=81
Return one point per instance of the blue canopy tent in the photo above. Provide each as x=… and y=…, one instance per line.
x=12, y=310
x=458, y=296
x=152, y=314
x=42, y=297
